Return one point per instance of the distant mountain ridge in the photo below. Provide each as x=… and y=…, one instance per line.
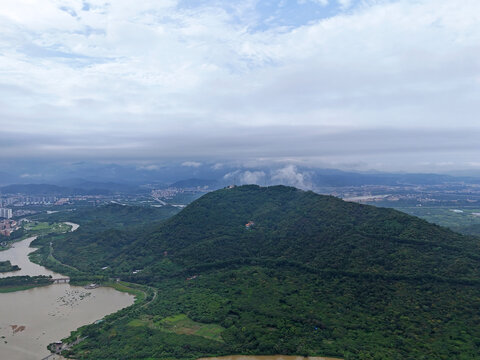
x=223, y=174
x=338, y=178
x=81, y=187
x=50, y=190
x=96, y=185
x=194, y=183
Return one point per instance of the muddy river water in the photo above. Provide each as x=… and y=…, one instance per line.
x=31, y=319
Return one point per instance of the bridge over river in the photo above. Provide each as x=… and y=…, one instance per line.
x=61, y=280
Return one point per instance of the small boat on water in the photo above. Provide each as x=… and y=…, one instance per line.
x=91, y=286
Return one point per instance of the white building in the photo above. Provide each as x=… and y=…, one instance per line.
x=5, y=213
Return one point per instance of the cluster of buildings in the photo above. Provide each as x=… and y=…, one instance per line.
x=169, y=193
x=22, y=200
x=6, y=213
x=7, y=227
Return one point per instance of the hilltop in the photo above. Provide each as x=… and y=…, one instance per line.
x=311, y=275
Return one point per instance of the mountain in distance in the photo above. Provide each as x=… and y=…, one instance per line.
x=309, y=275
x=83, y=184
x=338, y=178
x=35, y=189
x=71, y=187
x=85, y=174
x=6, y=178
x=50, y=190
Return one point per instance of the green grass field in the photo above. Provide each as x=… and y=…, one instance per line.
x=181, y=324
x=42, y=228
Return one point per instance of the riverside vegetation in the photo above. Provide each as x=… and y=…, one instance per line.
x=314, y=275
x=16, y=283
x=6, y=266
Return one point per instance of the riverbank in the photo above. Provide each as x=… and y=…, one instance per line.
x=14, y=288
x=18, y=283
x=36, y=228
x=11, y=242
x=139, y=291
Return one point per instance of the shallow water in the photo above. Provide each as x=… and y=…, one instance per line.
x=31, y=319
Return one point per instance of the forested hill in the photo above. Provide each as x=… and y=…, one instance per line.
x=319, y=232
x=310, y=275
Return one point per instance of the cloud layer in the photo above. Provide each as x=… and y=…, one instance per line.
x=346, y=82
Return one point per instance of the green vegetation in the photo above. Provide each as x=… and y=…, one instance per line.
x=17, y=283
x=113, y=226
x=43, y=228
x=140, y=292
x=314, y=276
x=6, y=241
x=6, y=266
x=34, y=228
x=465, y=220
x=181, y=324
x=112, y=216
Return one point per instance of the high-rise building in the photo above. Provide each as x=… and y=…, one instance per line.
x=5, y=213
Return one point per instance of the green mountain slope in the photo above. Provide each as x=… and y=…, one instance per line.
x=318, y=232
x=104, y=233
x=314, y=275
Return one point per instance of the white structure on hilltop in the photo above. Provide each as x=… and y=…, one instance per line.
x=5, y=213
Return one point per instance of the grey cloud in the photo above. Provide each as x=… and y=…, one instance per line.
x=380, y=148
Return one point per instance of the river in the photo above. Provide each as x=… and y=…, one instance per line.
x=31, y=319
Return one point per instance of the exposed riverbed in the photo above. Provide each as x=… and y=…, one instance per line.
x=31, y=319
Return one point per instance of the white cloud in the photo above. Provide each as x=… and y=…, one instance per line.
x=253, y=177
x=240, y=177
x=320, y=2
x=289, y=175
x=231, y=175
x=23, y=176
x=345, y=4
x=149, y=167
x=194, y=164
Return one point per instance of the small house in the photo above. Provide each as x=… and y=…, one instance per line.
x=249, y=225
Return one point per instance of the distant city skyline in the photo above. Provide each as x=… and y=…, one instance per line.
x=387, y=85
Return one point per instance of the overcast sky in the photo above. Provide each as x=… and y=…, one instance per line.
x=358, y=84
